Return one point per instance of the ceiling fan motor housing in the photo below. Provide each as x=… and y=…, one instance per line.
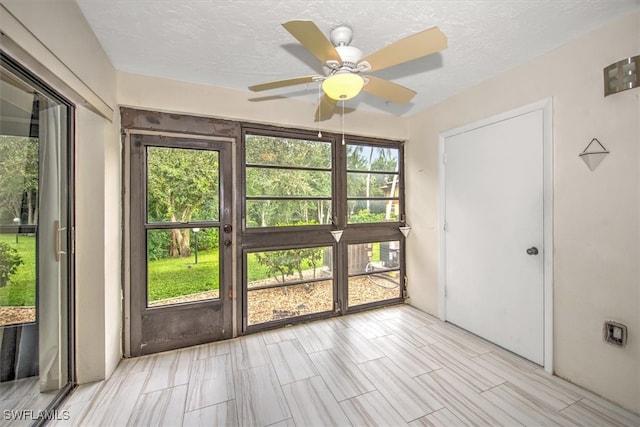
x=341, y=36
x=350, y=55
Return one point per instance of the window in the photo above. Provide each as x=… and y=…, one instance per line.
x=374, y=272
x=298, y=189
x=373, y=184
x=289, y=283
x=288, y=182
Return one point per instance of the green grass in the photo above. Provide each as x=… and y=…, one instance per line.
x=21, y=288
x=168, y=277
x=174, y=277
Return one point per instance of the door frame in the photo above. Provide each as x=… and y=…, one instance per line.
x=146, y=122
x=148, y=325
x=546, y=106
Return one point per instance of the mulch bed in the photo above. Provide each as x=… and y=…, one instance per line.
x=265, y=304
x=12, y=315
x=277, y=303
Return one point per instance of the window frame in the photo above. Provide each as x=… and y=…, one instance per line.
x=401, y=204
x=268, y=131
x=256, y=239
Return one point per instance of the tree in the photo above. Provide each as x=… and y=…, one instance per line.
x=182, y=186
x=272, y=172
x=18, y=179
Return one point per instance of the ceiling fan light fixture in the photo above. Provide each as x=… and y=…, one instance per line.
x=343, y=86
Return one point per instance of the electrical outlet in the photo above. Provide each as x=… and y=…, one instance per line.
x=614, y=333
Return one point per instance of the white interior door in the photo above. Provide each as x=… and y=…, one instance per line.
x=494, y=238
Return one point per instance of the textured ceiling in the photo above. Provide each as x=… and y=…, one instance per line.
x=238, y=43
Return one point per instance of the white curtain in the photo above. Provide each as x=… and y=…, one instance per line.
x=51, y=304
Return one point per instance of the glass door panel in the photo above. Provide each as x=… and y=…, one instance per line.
x=34, y=243
x=194, y=275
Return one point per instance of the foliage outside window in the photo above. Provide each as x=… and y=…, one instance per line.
x=288, y=181
x=374, y=272
x=288, y=283
x=182, y=262
x=19, y=170
x=373, y=184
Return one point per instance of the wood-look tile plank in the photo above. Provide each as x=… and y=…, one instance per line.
x=538, y=387
x=586, y=412
x=116, y=400
x=168, y=370
x=417, y=336
x=408, y=358
x=463, y=341
x=371, y=409
x=440, y=418
x=222, y=414
x=85, y=392
x=260, y=399
x=314, y=339
x=23, y=406
x=463, y=401
x=135, y=364
x=286, y=423
x=312, y=404
x=291, y=362
x=524, y=409
x=77, y=413
x=367, y=327
x=423, y=318
x=512, y=359
x=213, y=349
x=367, y=362
x=385, y=313
x=341, y=375
x=276, y=336
x=356, y=347
x=10, y=390
x=408, y=396
x=249, y=352
x=164, y=407
x=329, y=325
x=465, y=368
x=210, y=382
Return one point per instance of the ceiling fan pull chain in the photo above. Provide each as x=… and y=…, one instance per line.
x=343, y=122
x=319, y=108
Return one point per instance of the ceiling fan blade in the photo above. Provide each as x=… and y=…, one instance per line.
x=283, y=83
x=326, y=108
x=409, y=48
x=388, y=91
x=308, y=33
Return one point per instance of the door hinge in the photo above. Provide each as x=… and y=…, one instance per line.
x=230, y=293
x=445, y=227
x=444, y=159
x=337, y=306
x=73, y=240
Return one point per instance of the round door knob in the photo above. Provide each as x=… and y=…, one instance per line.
x=532, y=251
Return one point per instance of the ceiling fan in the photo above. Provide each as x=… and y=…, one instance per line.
x=346, y=64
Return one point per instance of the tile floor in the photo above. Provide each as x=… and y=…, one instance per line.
x=390, y=367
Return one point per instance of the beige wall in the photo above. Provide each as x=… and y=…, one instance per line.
x=169, y=95
x=596, y=214
x=53, y=39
